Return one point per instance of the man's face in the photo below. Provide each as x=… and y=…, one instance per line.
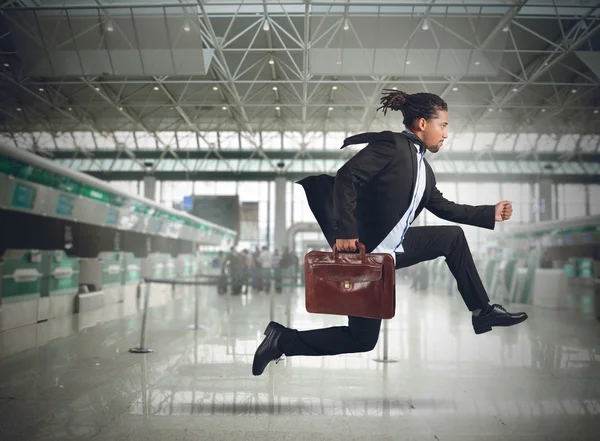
x=435, y=131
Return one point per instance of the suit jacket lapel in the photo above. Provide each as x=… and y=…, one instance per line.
x=401, y=143
x=428, y=187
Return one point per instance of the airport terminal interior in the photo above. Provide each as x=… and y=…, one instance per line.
x=152, y=224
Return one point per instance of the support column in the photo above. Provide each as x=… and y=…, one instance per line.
x=280, y=212
x=150, y=187
x=588, y=203
x=546, y=200
x=147, y=263
x=533, y=206
x=556, y=203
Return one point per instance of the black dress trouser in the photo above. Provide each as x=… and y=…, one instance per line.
x=420, y=244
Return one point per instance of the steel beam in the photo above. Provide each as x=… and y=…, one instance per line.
x=295, y=176
x=277, y=155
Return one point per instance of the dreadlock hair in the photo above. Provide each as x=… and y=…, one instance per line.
x=413, y=107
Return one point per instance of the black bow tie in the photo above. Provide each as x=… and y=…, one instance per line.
x=416, y=140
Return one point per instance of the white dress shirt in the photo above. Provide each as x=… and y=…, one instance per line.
x=392, y=243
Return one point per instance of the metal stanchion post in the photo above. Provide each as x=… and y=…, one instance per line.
x=197, y=326
x=288, y=305
x=385, y=358
x=142, y=349
x=195, y=350
x=288, y=308
x=196, y=305
x=271, y=298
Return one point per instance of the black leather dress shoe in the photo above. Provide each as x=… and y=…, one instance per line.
x=498, y=316
x=267, y=351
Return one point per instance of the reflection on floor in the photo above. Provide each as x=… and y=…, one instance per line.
x=77, y=380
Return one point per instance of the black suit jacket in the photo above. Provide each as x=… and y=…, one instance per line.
x=372, y=191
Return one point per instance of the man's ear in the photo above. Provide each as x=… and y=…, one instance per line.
x=422, y=124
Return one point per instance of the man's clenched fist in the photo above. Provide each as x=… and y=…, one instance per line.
x=503, y=211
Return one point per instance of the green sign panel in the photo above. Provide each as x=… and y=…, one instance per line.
x=112, y=217
x=222, y=210
x=23, y=196
x=92, y=193
x=64, y=205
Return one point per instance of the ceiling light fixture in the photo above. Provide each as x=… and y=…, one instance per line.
x=41, y=89
x=490, y=110
x=109, y=26
x=455, y=89
x=505, y=29
x=271, y=60
x=97, y=89
x=215, y=88
x=346, y=24
x=6, y=65
x=574, y=91
x=543, y=110
x=407, y=61
x=425, y=25
x=277, y=108
x=477, y=63
x=330, y=109
x=334, y=87
x=394, y=88
x=155, y=87
x=186, y=26
x=120, y=108
x=19, y=109
x=266, y=25
x=224, y=107
x=596, y=112
x=515, y=89
x=274, y=87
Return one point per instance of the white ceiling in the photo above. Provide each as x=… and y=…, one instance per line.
x=503, y=66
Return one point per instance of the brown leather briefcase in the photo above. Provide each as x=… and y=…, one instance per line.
x=360, y=285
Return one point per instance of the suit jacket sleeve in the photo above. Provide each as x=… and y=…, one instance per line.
x=358, y=171
x=483, y=216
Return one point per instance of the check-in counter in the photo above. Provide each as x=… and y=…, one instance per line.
x=112, y=277
x=88, y=233
x=20, y=288
x=567, y=246
x=131, y=276
x=63, y=283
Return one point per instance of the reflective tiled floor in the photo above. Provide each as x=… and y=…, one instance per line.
x=537, y=381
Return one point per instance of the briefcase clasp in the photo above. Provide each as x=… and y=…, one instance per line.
x=347, y=284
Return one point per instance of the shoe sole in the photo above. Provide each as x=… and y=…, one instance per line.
x=484, y=329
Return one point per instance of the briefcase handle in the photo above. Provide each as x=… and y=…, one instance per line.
x=361, y=248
